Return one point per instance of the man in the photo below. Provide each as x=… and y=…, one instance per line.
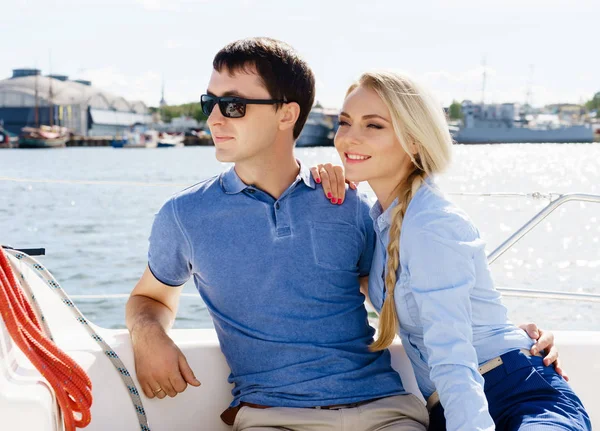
x=276, y=263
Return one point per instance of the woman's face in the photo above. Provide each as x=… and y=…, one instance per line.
x=366, y=140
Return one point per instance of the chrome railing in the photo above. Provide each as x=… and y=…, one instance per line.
x=555, y=200
x=549, y=294
x=539, y=217
x=525, y=229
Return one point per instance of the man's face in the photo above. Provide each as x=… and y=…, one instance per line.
x=242, y=139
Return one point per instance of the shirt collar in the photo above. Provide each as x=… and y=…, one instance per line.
x=382, y=219
x=232, y=184
x=306, y=175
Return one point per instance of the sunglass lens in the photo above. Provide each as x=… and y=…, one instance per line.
x=207, y=103
x=233, y=109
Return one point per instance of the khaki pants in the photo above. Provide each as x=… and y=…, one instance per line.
x=398, y=413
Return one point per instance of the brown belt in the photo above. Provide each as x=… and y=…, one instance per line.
x=485, y=368
x=228, y=416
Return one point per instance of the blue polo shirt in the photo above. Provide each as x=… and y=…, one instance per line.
x=280, y=280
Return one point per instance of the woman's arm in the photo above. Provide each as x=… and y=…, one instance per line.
x=442, y=276
x=333, y=180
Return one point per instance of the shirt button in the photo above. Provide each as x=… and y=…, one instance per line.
x=277, y=206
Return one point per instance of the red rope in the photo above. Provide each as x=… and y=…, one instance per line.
x=70, y=382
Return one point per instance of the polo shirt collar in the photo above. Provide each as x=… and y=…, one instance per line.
x=232, y=184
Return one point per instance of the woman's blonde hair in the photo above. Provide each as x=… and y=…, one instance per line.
x=421, y=127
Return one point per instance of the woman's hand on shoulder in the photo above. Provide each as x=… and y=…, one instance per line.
x=333, y=180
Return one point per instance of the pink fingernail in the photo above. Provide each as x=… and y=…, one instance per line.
x=318, y=180
x=339, y=201
x=333, y=201
x=329, y=195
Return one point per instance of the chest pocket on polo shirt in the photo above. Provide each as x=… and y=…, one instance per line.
x=336, y=246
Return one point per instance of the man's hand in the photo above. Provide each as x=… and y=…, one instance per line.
x=150, y=311
x=160, y=365
x=333, y=180
x=544, y=340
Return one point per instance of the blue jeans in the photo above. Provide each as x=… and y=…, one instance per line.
x=525, y=395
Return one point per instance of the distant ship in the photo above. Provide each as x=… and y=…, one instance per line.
x=44, y=137
x=7, y=140
x=503, y=123
x=319, y=129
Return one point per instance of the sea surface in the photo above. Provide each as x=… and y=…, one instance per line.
x=92, y=209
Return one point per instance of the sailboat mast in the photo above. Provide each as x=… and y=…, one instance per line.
x=37, y=105
x=483, y=83
x=529, y=94
x=50, y=102
x=51, y=105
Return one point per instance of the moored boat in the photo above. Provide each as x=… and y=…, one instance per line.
x=7, y=139
x=170, y=141
x=44, y=137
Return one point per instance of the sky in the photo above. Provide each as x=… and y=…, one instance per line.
x=128, y=47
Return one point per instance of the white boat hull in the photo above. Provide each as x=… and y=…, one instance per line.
x=27, y=404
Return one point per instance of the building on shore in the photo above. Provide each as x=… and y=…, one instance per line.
x=85, y=110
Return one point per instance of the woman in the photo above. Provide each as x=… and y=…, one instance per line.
x=430, y=279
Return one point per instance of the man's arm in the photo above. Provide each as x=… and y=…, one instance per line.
x=161, y=367
x=152, y=302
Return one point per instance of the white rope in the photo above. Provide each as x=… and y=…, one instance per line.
x=51, y=282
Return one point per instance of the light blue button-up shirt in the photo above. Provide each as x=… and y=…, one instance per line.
x=280, y=280
x=451, y=316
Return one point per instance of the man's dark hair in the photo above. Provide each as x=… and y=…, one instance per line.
x=285, y=75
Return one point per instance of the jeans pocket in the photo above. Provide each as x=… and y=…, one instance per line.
x=542, y=380
x=525, y=383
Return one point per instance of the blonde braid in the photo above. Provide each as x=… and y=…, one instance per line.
x=388, y=319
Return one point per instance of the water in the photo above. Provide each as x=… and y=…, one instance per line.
x=96, y=235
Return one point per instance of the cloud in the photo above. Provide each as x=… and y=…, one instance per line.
x=172, y=44
x=172, y=5
x=460, y=77
x=145, y=87
x=159, y=5
x=508, y=93
x=105, y=77
x=320, y=84
x=303, y=18
x=500, y=88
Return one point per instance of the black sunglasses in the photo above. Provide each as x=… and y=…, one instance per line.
x=231, y=106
